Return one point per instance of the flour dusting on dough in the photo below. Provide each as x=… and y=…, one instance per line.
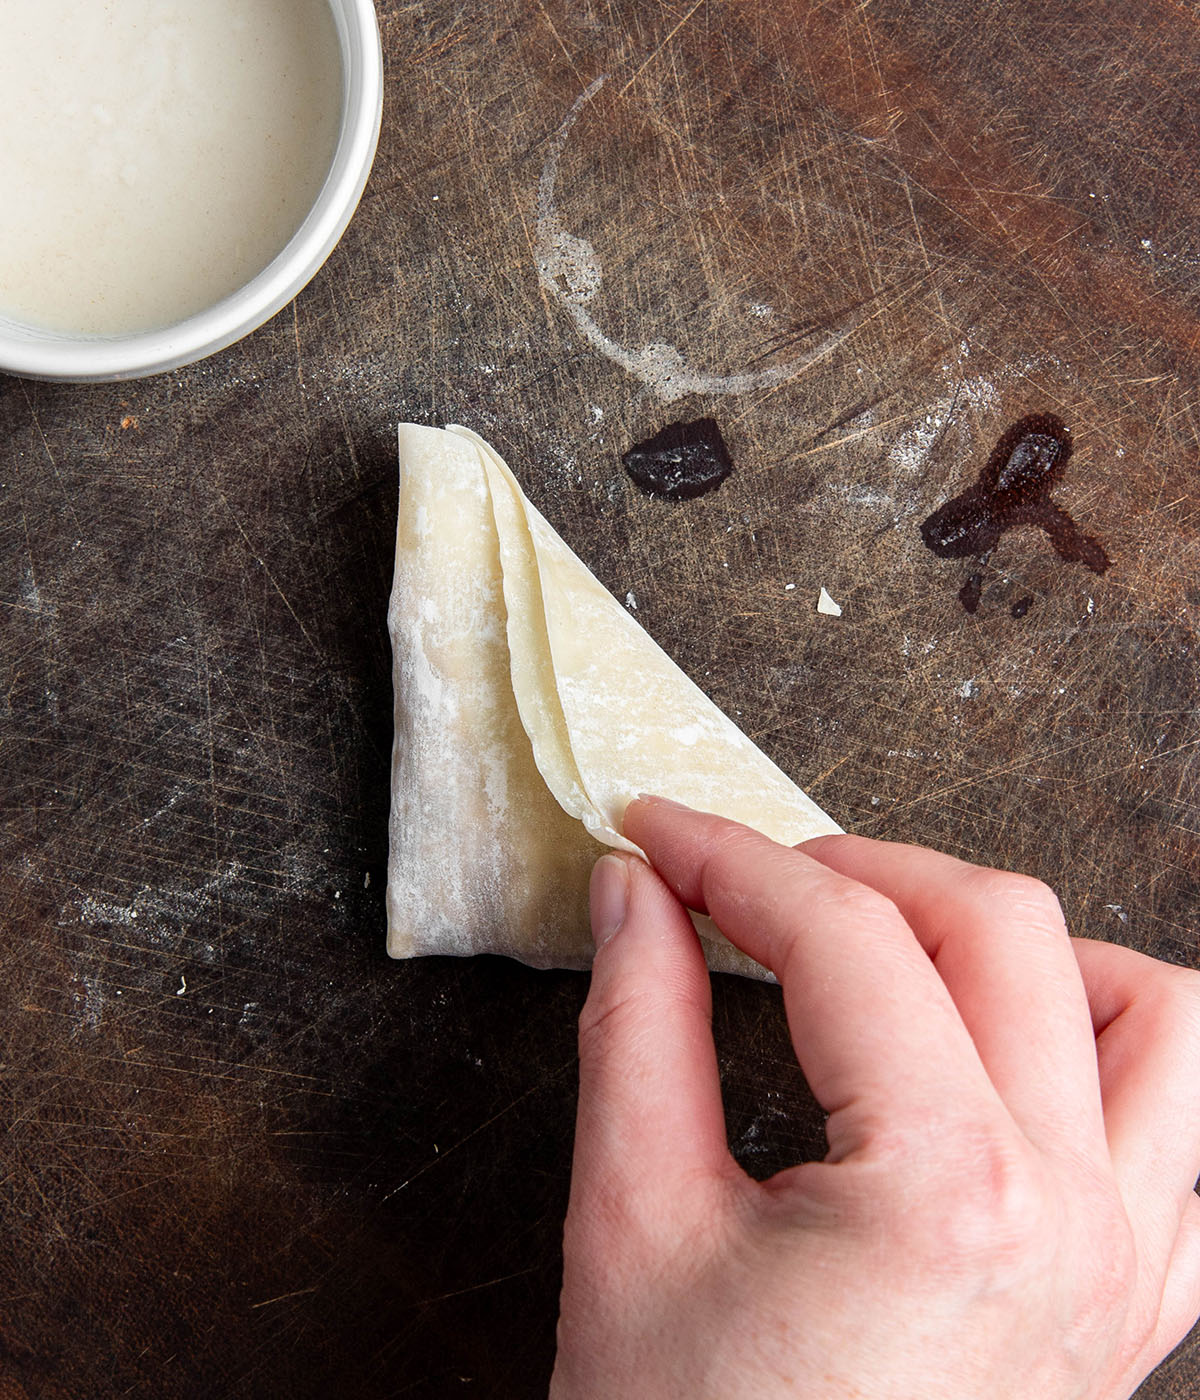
x=530, y=709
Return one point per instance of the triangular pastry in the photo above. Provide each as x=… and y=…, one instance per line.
x=530, y=709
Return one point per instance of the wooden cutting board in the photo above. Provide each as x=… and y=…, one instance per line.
x=247, y=1156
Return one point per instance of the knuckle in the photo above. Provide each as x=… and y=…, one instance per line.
x=1021, y=895
x=612, y=1232
x=611, y=1015
x=863, y=905
x=625, y=1219
x=613, y=1220
x=994, y=1211
x=732, y=848
x=796, y=882
x=847, y=903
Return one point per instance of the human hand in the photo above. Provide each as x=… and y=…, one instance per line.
x=1007, y=1205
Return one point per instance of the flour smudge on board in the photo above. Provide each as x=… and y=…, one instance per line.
x=570, y=272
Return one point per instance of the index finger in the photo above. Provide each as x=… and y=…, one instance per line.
x=875, y=1030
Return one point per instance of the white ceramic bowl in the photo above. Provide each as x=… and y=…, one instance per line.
x=34, y=353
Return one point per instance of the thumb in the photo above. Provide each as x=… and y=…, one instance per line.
x=649, y=1093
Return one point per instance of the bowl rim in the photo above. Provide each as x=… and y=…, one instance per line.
x=30, y=352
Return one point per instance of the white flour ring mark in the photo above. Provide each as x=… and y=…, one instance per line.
x=570, y=272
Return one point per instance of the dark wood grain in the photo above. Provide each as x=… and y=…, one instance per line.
x=247, y=1156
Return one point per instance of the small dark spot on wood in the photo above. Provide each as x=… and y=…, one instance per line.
x=683, y=461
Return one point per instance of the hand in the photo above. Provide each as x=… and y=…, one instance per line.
x=1007, y=1206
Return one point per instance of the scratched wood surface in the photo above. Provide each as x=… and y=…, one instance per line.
x=247, y=1156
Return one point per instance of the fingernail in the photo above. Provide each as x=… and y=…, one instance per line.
x=663, y=801
x=609, y=897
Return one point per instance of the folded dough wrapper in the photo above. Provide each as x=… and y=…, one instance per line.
x=531, y=708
